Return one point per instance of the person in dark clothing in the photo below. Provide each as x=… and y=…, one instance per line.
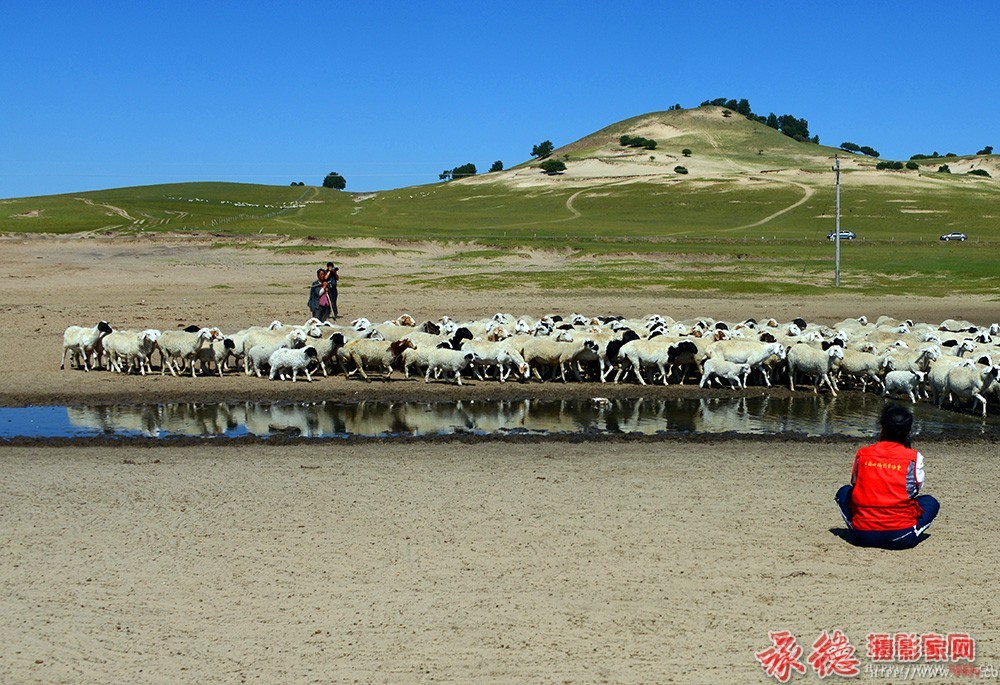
x=332, y=276
x=319, y=300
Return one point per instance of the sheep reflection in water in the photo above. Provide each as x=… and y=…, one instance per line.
x=818, y=415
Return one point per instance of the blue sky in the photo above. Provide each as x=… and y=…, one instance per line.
x=389, y=94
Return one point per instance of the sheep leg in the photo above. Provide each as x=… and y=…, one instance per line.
x=982, y=400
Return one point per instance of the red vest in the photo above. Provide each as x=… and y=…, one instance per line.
x=881, y=500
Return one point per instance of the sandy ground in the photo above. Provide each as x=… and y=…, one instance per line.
x=551, y=563
x=555, y=562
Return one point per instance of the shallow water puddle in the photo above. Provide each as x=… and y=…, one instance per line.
x=847, y=415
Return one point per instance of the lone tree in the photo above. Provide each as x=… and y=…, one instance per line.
x=543, y=149
x=335, y=181
x=988, y=150
x=553, y=166
x=686, y=152
x=497, y=166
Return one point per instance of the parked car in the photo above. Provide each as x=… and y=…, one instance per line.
x=954, y=236
x=844, y=235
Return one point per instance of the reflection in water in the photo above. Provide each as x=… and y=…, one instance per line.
x=853, y=415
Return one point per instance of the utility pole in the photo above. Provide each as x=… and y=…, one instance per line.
x=836, y=273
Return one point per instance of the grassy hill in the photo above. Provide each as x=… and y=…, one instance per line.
x=753, y=201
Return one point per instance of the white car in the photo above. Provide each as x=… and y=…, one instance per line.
x=955, y=236
x=844, y=235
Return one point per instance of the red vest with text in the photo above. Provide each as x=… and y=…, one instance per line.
x=881, y=499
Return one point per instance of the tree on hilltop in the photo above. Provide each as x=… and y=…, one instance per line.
x=497, y=166
x=458, y=172
x=543, y=149
x=988, y=150
x=335, y=181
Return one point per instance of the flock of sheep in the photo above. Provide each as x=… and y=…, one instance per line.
x=954, y=362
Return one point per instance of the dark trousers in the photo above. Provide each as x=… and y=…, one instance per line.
x=332, y=292
x=888, y=539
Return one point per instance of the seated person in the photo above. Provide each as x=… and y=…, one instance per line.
x=881, y=505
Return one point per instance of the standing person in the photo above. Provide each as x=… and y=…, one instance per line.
x=332, y=276
x=319, y=301
x=881, y=505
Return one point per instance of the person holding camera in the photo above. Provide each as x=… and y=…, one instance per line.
x=319, y=300
x=332, y=276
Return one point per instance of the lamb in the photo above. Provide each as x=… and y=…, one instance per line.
x=374, y=353
x=448, y=361
x=817, y=363
x=296, y=360
x=750, y=352
x=718, y=367
x=132, y=348
x=966, y=381
x=263, y=346
x=903, y=381
x=183, y=346
x=278, y=338
x=258, y=357
x=84, y=341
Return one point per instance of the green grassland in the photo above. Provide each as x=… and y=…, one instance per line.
x=751, y=216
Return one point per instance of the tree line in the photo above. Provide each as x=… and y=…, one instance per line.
x=789, y=124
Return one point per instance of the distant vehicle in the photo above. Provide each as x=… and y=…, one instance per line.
x=844, y=235
x=954, y=236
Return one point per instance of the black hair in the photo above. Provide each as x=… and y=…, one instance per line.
x=896, y=422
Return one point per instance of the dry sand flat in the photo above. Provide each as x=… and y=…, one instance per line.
x=465, y=563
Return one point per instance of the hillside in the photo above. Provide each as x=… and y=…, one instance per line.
x=744, y=180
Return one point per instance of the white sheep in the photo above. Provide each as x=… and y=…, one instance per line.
x=296, y=360
x=257, y=356
x=327, y=348
x=816, y=363
x=373, y=354
x=443, y=360
x=496, y=355
x=966, y=381
x=177, y=348
x=755, y=354
x=85, y=342
x=717, y=367
x=903, y=380
x=215, y=353
x=659, y=351
x=556, y=353
x=862, y=366
x=128, y=350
